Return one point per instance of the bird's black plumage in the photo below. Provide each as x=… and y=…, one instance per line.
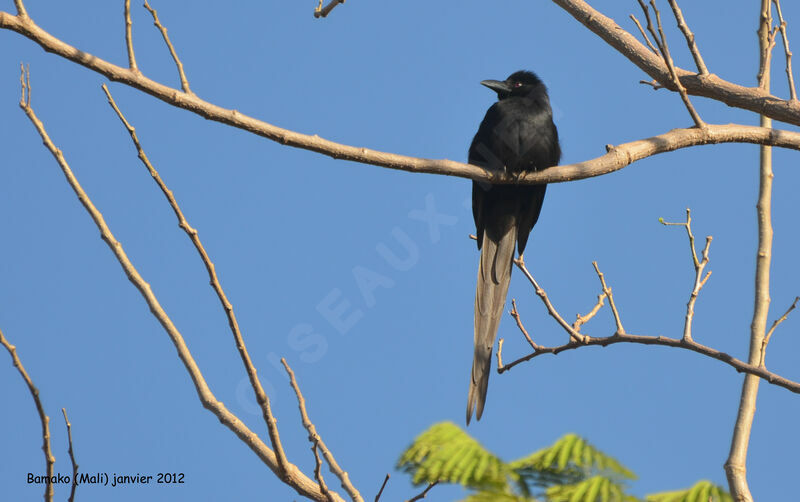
x=516, y=135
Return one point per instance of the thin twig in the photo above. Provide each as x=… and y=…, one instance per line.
x=316, y=439
x=650, y=25
x=766, y=54
x=49, y=459
x=21, y=12
x=581, y=320
x=661, y=40
x=550, y=308
x=157, y=23
x=500, y=355
x=605, y=341
x=515, y=314
x=71, y=458
x=688, y=226
x=699, y=266
x=191, y=232
x=380, y=492
x=789, y=73
x=652, y=83
x=772, y=329
x=321, y=11
x=294, y=478
x=129, y=37
x=644, y=34
x=318, y=473
x=607, y=292
x=637, y=53
x=424, y=492
x=698, y=59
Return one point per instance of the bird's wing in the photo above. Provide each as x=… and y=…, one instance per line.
x=530, y=205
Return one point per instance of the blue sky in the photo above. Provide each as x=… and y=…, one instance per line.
x=290, y=231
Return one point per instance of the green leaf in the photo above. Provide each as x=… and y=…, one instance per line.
x=700, y=492
x=569, y=460
x=446, y=453
x=594, y=489
x=566, y=447
x=495, y=496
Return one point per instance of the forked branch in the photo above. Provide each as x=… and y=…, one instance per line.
x=291, y=475
x=317, y=441
x=617, y=157
x=620, y=336
x=609, y=295
x=699, y=266
x=663, y=47
x=574, y=335
x=261, y=396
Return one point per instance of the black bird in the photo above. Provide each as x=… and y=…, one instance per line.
x=517, y=135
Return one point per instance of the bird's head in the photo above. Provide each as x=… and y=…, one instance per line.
x=521, y=83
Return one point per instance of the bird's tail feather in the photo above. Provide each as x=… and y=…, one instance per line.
x=494, y=276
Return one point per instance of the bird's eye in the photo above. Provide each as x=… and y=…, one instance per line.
x=517, y=84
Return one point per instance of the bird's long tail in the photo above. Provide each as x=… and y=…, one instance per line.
x=494, y=276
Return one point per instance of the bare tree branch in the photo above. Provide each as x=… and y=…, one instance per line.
x=644, y=35
x=380, y=492
x=163, y=30
x=605, y=341
x=500, y=356
x=699, y=266
x=21, y=12
x=698, y=59
x=581, y=320
x=574, y=335
x=621, y=337
x=318, y=473
x=321, y=11
x=772, y=329
x=736, y=464
x=789, y=74
x=607, y=292
x=317, y=440
x=191, y=232
x=516, y=317
x=661, y=41
x=424, y=492
x=49, y=459
x=710, y=86
x=129, y=37
x=294, y=477
x=617, y=158
x=71, y=458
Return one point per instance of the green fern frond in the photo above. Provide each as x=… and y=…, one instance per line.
x=571, y=455
x=702, y=491
x=594, y=489
x=446, y=453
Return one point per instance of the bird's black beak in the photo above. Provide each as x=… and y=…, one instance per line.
x=497, y=86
